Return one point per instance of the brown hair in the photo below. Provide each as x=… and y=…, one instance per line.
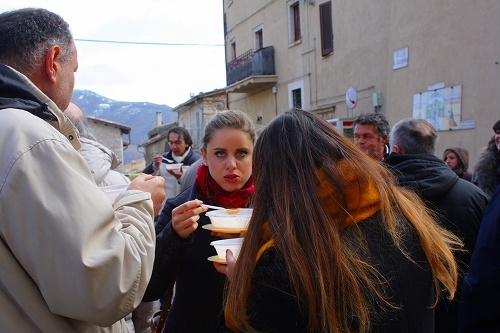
x=228, y=119
x=327, y=272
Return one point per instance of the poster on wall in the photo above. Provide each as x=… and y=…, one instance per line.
x=441, y=107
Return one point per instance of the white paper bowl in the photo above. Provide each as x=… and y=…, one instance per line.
x=113, y=191
x=233, y=244
x=221, y=219
x=174, y=166
x=185, y=168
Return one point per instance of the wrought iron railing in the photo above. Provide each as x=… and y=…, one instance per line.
x=250, y=63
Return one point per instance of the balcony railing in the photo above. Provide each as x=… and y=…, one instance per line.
x=260, y=62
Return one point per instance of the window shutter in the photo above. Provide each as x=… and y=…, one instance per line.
x=326, y=25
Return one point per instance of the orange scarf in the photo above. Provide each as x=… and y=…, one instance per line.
x=363, y=200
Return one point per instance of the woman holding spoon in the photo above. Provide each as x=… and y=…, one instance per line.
x=182, y=247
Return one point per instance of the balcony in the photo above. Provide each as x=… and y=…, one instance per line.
x=251, y=71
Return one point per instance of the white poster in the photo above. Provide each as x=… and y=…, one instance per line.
x=400, y=58
x=441, y=107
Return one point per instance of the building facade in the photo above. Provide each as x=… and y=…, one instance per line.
x=157, y=142
x=437, y=60
x=110, y=134
x=192, y=115
x=197, y=111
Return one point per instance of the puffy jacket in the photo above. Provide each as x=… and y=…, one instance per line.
x=102, y=162
x=70, y=262
x=460, y=203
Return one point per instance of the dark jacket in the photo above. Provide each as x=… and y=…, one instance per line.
x=487, y=170
x=460, y=203
x=480, y=301
x=198, y=300
x=410, y=286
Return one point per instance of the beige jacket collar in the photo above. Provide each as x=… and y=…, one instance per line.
x=62, y=124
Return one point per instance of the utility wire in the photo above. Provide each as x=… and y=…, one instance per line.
x=142, y=43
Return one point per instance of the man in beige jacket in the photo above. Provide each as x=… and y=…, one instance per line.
x=70, y=261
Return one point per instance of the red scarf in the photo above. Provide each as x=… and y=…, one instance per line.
x=214, y=194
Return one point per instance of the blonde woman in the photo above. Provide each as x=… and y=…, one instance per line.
x=182, y=246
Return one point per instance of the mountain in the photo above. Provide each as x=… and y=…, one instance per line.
x=139, y=116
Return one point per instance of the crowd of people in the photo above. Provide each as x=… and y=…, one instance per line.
x=374, y=234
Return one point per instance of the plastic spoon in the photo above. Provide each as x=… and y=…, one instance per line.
x=227, y=210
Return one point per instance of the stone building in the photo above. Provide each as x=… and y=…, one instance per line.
x=192, y=115
x=110, y=134
x=197, y=111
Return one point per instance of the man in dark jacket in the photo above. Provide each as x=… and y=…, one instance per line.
x=460, y=203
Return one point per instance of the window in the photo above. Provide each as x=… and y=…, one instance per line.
x=326, y=26
x=258, y=38
x=294, y=21
x=233, y=49
x=295, y=95
x=297, y=98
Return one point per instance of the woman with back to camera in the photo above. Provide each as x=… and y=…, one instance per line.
x=182, y=246
x=333, y=244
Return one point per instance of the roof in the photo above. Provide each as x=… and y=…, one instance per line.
x=124, y=129
x=200, y=95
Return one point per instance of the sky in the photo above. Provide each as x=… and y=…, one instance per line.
x=187, y=55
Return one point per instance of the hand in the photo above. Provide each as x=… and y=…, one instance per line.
x=157, y=160
x=185, y=217
x=153, y=185
x=175, y=174
x=227, y=269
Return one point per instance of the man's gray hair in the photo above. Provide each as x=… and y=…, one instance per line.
x=414, y=136
x=376, y=119
x=81, y=122
x=27, y=34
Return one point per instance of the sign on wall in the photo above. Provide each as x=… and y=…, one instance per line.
x=351, y=98
x=441, y=107
x=400, y=58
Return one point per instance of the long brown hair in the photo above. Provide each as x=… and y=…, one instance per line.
x=327, y=272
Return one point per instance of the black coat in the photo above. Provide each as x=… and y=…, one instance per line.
x=198, y=300
x=410, y=286
x=460, y=203
x=480, y=301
